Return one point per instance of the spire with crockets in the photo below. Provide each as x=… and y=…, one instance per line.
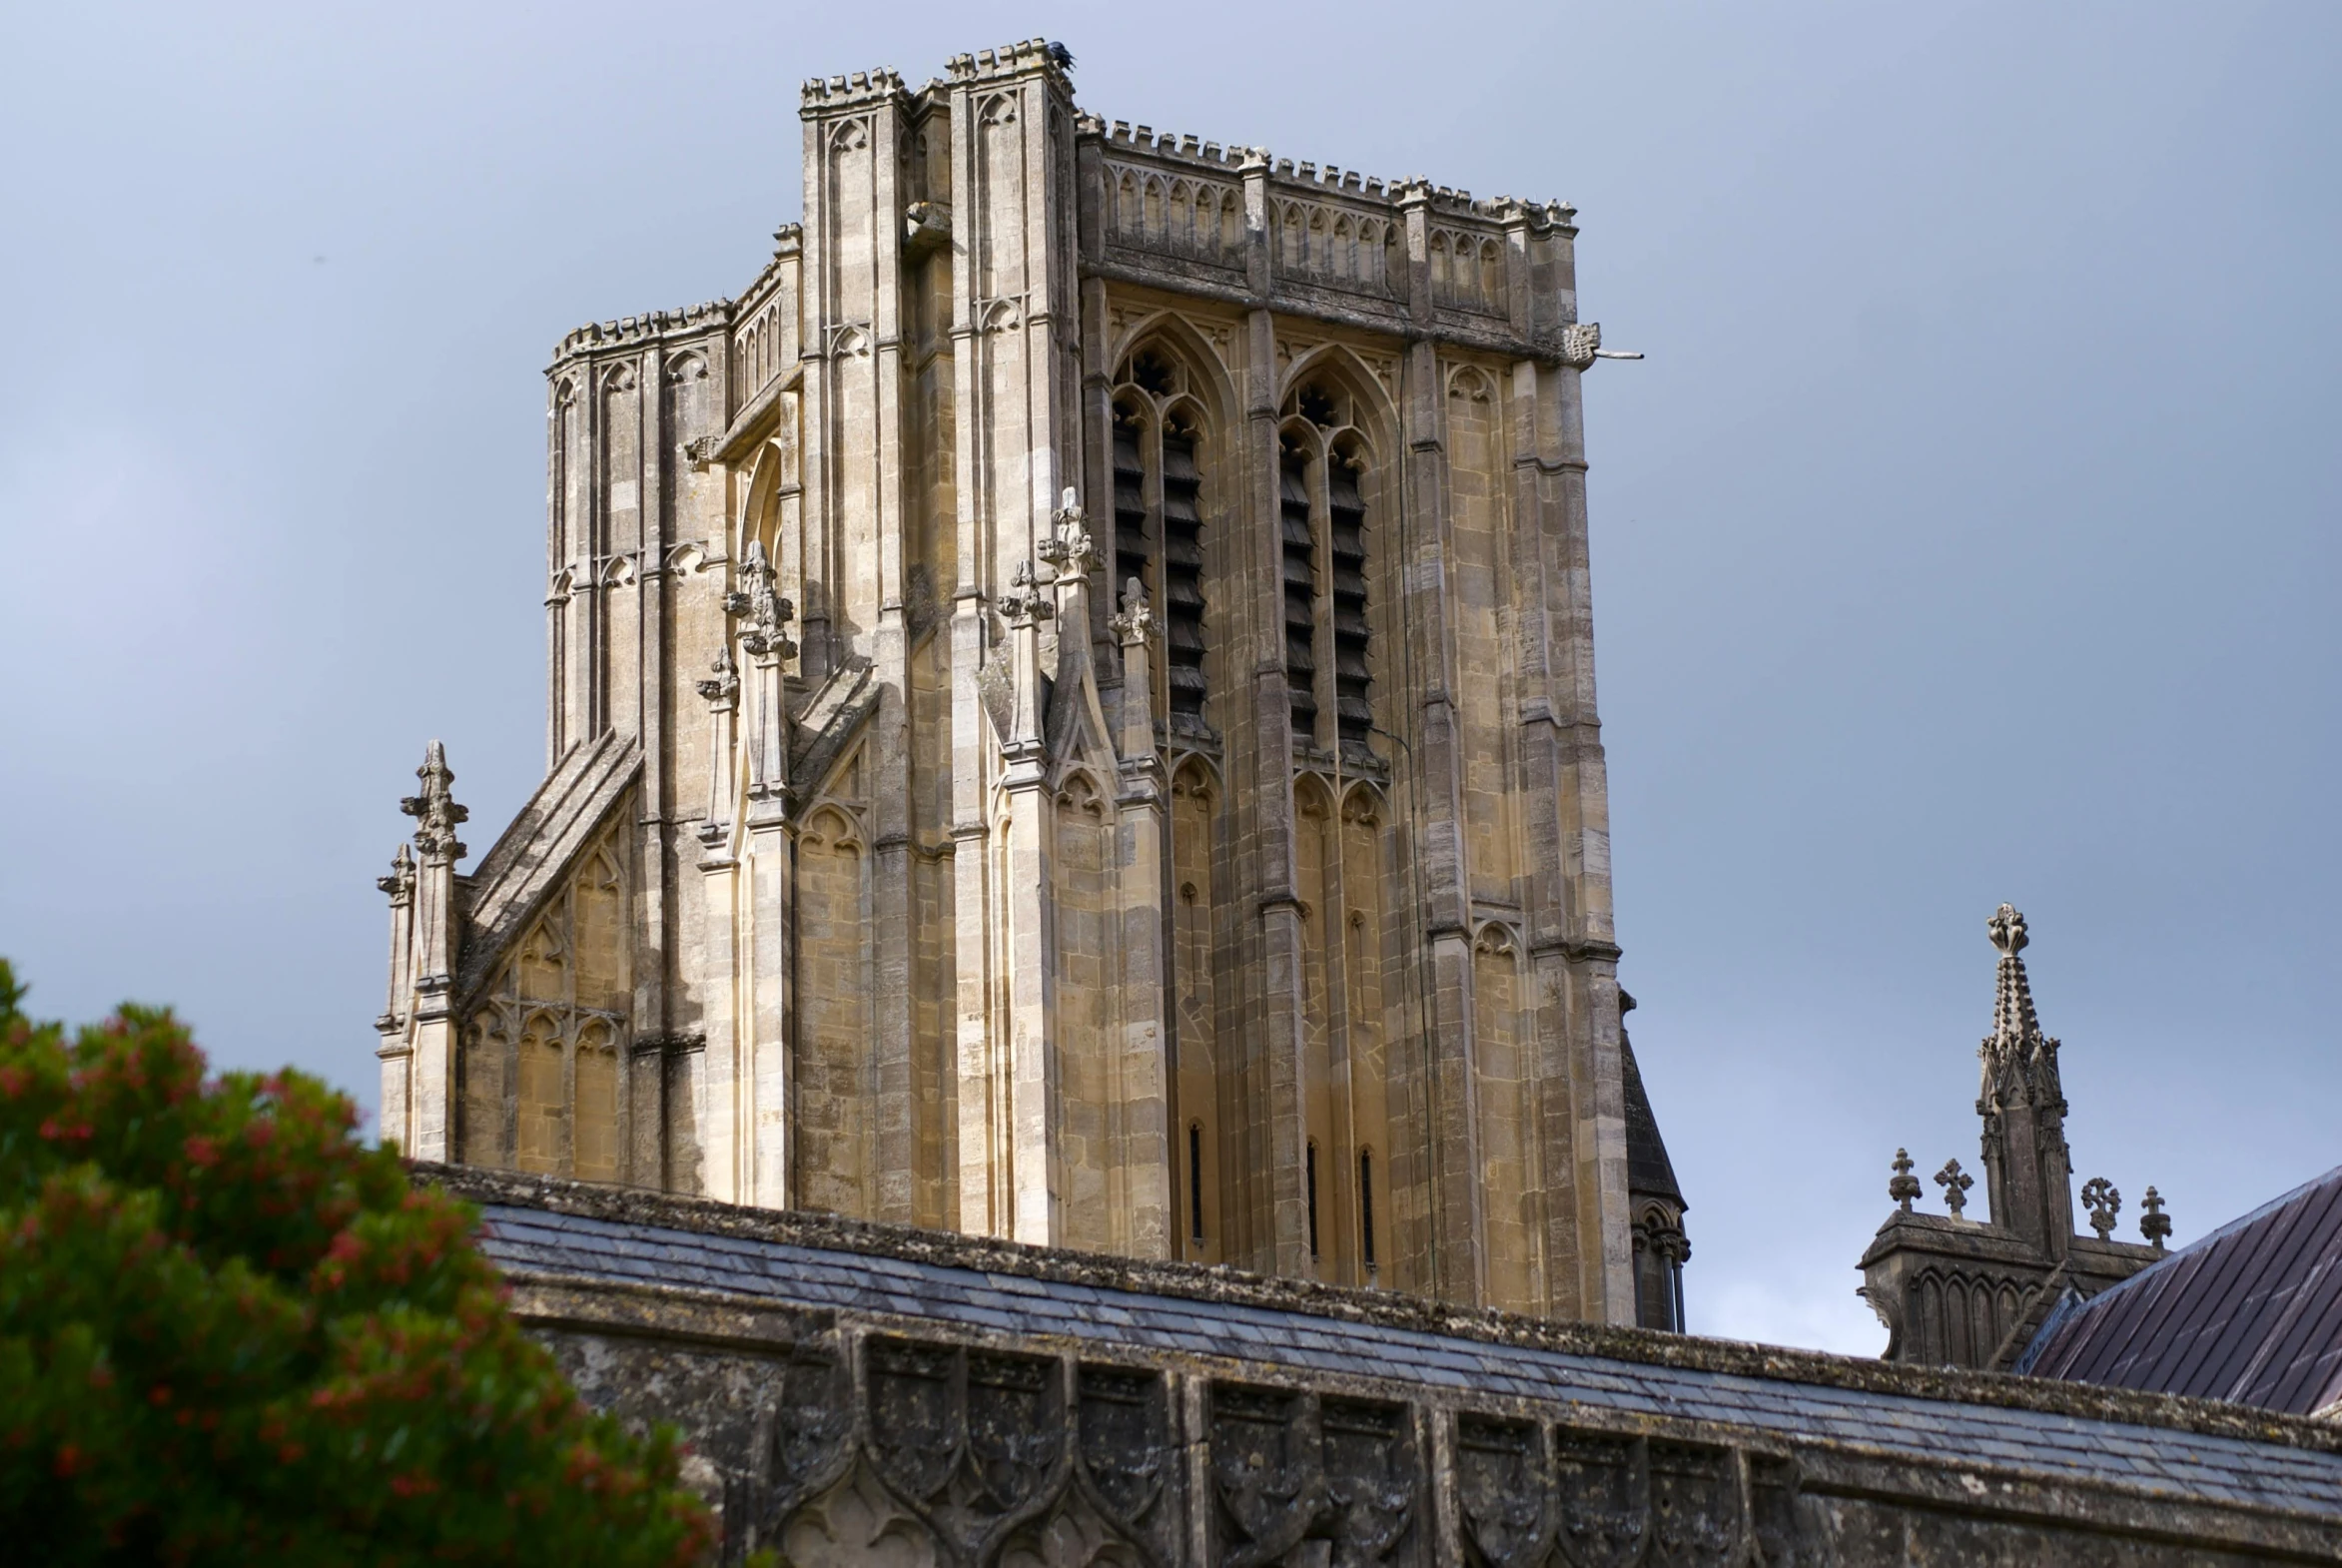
x=2028, y=1170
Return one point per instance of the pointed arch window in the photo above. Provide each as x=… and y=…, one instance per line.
x=1159, y=498
x=1323, y=517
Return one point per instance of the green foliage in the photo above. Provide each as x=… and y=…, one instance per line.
x=232, y=1333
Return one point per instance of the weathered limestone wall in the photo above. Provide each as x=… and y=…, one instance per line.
x=1259, y=915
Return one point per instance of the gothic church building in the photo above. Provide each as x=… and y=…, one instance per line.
x=1072, y=720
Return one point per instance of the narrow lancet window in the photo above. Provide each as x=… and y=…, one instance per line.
x=1345, y=535
x=1321, y=514
x=1300, y=589
x=1310, y=1176
x=1158, y=522
x=1183, y=569
x=1195, y=1182
x=1366, y=1208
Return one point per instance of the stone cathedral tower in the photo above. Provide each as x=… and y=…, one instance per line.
x=1070, y=719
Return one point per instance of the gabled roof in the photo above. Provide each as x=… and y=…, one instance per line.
x=2252, y=1313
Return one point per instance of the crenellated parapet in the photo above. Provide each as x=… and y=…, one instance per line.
x=1034, y=55
x=629, y=331
x=850, y=90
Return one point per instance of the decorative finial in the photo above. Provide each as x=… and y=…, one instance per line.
x=2104, y=1203
x=2154, y=1225
x=1955, y=1182
x=724, y=685
x=435, y=810
x=2016, y=1028
x=764, y=611
x=1068, y=548
x=399, y=884
x=1905, y=1186
x=1023, y=603
x=1136, y=620
x=2007, y=927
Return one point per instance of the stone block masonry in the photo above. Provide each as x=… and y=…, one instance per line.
x=857, y=1393
x=1070, y=719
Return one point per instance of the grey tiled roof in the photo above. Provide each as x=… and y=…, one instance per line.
x=1648, y=1170
x=2056, y=1447
x=2250, y=1314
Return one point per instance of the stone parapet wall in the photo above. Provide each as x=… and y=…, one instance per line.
x=858, y=1392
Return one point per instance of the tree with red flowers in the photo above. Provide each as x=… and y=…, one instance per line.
x=229, y=1332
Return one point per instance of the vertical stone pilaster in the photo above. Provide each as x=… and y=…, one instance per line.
x=767, y=1153
x=396, y=1052
x=1568, y=797
x=1143, y=1073
x=725, y=1103
x=437, y=950
x=1016, y=430
x=642, y=1097
x=1030, y=1184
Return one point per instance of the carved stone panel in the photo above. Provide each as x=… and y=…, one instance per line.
x=1773, y=1511
x=1695, y=1507
x=1502, y=1493
x=1372, y=1482
x=1267, y=1472
x=1124, y=1458
x=1333, y=1483
x=804, y=1438
x=973, y=1443
x=1605, y=1499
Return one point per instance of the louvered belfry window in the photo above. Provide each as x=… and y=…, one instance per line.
x=1182, y=567
x=1159, y=521
x=1345, y=535
x=1321, y=517
x=1300, y=591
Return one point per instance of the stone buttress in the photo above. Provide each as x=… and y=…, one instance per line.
x=1070, y=719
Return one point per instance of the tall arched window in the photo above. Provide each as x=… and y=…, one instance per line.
x=1321, y=509
x=1158, y=522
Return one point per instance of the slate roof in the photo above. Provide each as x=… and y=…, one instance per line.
x=2251, y=1314
x=1648, y=1170
x=2043, y=1442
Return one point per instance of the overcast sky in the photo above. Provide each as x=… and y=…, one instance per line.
x=1969, y=534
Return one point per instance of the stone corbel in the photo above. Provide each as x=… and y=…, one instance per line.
x=927, y=225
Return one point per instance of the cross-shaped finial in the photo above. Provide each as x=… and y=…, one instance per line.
x=1905, y=1186
x=1955, y=1182
x=2154, y=1225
